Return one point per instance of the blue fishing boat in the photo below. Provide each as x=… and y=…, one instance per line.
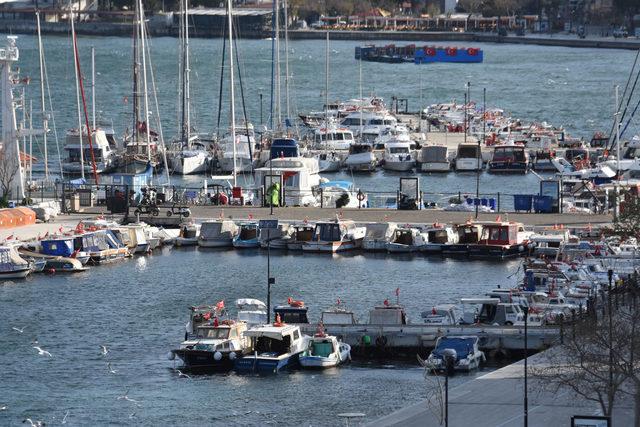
x=248, y=236
x=275, y=348
x=418, y=55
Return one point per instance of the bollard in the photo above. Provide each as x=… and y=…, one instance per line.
x=561, y=321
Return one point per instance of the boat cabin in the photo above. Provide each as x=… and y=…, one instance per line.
x=499, y=234
x=360, y=148
x=388, y=314
x=490, y=311
x=441, y=314
x=248, y=231
x=59, y=246
x=284, y=147
x=291, y=314
x=337, y=316
x=274, y=340
x=468, y=151
x=469, y=233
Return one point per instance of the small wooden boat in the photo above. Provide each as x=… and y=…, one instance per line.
x=248, y=237
x=12, y=265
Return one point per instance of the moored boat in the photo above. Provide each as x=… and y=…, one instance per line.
x=325, y=351
x=12, y=265
x=248, y=235
x=217, y=234
x=335, y=236
x=466, y=353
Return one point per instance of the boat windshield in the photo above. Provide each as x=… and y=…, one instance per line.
x=213, y=333
x=322, y=349
x=329, y=232
x=398, y=150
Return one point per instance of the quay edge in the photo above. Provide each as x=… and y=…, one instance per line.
x=107, y=29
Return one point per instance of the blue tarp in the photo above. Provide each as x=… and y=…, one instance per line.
x=57, y=247
x=462, y=346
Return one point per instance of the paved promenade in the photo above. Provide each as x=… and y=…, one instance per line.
x=496, y=400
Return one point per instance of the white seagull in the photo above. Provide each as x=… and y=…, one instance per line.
x=32, y=423
x=18, y=329
x=105, y=350
x=64, y=419
x=42, y=352
x=3, y=408
x=126, y=397
x=111, y=370
x=182, y=374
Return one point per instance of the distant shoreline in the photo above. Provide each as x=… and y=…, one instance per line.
x=13, y=26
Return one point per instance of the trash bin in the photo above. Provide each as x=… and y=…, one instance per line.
x=492, y=204
x=522, y=202
x=542, y=204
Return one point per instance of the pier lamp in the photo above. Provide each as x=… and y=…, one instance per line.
x=449, y=355
x=610, y=277
x=526, y=358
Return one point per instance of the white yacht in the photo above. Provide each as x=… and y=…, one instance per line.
x=398, y=156
x=299, y=176
x=243, y=154
x=468, y=157
x=103, y=154
x=332, y=138
x=325, y=351
x=433, y=158
x=361, y=158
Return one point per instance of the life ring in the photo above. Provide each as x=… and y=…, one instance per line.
x=381, y=341
x=361, y=196
x=430, y=51
x=472, y=51
x=452, y=51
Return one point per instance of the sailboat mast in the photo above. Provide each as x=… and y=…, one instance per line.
x=286, y=59
x=187, y=70
x=30, y=140
x=93, y=87
x=232, y=90
x=136, y=68
x=144, y=80
x=360, y=94
x=182, y=73
x=326, y=88
x=42, y=100
x=75, y=67
x=617, y=122
x=277, y=73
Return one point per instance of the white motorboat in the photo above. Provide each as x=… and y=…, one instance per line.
x=361, y=158
x=433, y=158
x=103, y=154
x=335, y=236
x=332, y=137
x=548, y=243
x=467, y=356
x=378, y=235
x=247, y=236
x=217, y=233
x=325, y=351
x=188, y=235
x=440, y=315
x=407, y=239
x=134, y=237
x=398, y=156
x=12, y=265
x=299, y=176
x=438, y=236
x=301, y=233
x=212, y=343
x=468, y=157
x=276, y=347
x=329, y=162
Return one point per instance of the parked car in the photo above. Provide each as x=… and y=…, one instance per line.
x=620, y=32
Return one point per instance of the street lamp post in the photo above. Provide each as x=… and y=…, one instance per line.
x=610, y=388
x=526, y=358
x=449, y=355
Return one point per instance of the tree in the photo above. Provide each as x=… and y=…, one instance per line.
x=581, y=363
x=627, y=223
x=8, y=171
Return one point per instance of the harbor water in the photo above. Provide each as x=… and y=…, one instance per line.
x=564, y=86
x=139, y=308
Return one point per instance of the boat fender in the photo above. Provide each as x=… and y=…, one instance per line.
x=171, y=355
x=366, y=340
x=381, y=341
x=232, y=355
x=217, y=356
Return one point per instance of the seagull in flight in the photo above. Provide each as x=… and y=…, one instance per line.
x=18, y=329
x=34, y=424
x=3, y=408
x=42, y=352
x=182, y=374
x=64, y=419
x=105, y=350
x=111, y=370
x=126, y=397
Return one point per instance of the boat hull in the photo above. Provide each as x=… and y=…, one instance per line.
x=185, y=241
x=204, y=360
x=400, y=248
x=329, y=247
x=246, y=244
x=508, y=167
x=458, y=249
x=215, y=243
x=435, y=167
x=252, y=364
x=497, y=251
x=467, y=164
x=18, y=273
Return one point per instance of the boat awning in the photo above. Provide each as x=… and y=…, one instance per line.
x=273, y=332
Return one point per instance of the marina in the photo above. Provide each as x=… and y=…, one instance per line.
x=250, y=231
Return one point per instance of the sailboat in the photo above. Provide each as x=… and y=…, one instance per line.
x=190, y=154
x=141, y=146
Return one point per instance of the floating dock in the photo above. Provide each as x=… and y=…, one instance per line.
x=418, y=55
